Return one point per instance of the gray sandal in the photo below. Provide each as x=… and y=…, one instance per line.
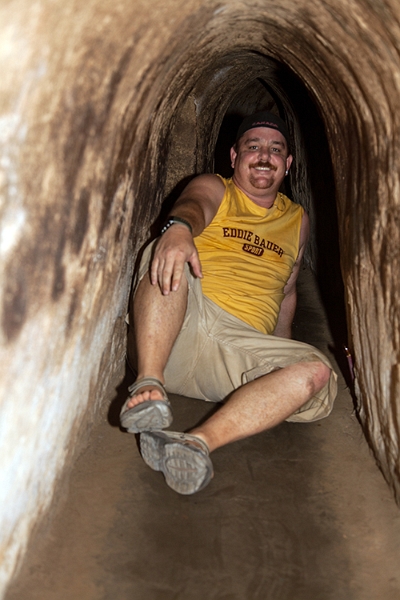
x=149, y=415
x=183, y=459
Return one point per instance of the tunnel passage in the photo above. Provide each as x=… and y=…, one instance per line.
x=105, y=108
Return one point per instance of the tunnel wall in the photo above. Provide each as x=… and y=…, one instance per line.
x=92, y=96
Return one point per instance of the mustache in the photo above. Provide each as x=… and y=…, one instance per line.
x=266, y=164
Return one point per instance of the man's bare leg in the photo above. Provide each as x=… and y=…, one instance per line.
x=253, y=408
x=158, y=319
x=263, y=403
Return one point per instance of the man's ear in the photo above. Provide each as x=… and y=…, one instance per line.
x=233, y=156
x=289, y=161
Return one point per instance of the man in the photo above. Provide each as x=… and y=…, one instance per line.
x=213, y=311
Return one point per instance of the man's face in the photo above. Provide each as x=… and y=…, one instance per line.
x=260, y=161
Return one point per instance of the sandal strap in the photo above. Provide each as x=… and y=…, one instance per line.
x=147, y=381
x=188, y=439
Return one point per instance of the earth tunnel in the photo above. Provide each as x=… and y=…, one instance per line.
x=106, y=108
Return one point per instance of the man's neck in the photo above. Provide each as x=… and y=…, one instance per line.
x=265, y=198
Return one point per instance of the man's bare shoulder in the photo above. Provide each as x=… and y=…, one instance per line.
x=207, y=182
x=304, y=230
x=204, y=192
x=208, y=190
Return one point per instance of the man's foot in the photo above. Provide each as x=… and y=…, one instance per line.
x=183, y=459
x=147, y=408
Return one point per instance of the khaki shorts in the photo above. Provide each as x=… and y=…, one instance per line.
x=215, y=353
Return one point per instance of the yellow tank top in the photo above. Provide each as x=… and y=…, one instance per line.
x=247, y=255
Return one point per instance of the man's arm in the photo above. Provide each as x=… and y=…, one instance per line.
x=198, y=204
x=288, y=307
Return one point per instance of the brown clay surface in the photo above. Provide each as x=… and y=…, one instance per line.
x=298, y=513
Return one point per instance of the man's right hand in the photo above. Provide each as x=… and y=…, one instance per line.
x=198, y=203
x=174, y=248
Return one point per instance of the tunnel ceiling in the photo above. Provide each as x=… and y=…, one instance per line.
x=105, y=107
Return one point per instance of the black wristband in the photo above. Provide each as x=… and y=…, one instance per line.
x=176, y=220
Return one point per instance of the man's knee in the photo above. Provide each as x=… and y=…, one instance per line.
x=319, y=376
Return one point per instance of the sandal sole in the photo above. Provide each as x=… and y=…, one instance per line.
x=186, y=469
x=150, y=415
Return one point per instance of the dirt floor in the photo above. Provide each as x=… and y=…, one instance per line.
x=297, y=513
